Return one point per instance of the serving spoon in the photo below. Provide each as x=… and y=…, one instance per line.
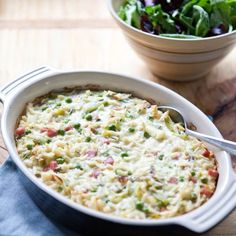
x=177, y=117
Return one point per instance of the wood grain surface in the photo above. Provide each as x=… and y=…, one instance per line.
x=79, y=34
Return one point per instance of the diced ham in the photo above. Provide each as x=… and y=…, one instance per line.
x=52, y=166
x=69, y=127
x=105, y=140
x=91, y=153
x=173, y=180
x=193, y=179
x=123, y=179
x=20, y=131
x=42, y=130
x=50, y=132
x=96, y=173
x=213, y=173
x=109, y=161
x=206, y=153
x=206, y=191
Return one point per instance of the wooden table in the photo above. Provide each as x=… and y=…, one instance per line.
x=79, y=34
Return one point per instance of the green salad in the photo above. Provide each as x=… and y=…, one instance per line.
x=181, y=18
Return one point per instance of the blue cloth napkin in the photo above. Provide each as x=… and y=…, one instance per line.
x=18, y=213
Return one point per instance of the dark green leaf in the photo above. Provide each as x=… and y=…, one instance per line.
x=203, y=25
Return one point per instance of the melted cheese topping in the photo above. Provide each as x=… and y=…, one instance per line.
x=115, y=153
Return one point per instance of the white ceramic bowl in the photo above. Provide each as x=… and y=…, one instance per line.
x=40, y=81
x=175, y=59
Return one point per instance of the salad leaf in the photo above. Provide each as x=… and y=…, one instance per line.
x=232, y=4
x=220, y=13
x=130, y=13
x=159, y=17
x=181, y=18
x=203, y=25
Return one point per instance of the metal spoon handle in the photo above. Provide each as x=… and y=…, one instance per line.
x=226, y=145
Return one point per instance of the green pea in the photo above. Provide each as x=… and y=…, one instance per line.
x=60, y=160
x=61, y=132
x=146, y=135
x=88, y=117
x=77, y=126
x=88, y=139
x=204, y=180
x=124, y=154
x=106, y=104
x=29, y=146
x=131, y=130
x=68, y=100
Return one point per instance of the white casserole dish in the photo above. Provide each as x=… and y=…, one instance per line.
x=40, y=81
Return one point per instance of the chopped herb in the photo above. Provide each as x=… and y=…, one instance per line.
x=91, y=109
x=131, y=130
x=29, y=146
x=59, y=189
x=129, y=116
x=161, y=157
x=71, y=111
x=139, y=206
x=68, y=100
x=58, y=104
x=106, y=104
x=26, y=156
x=204, y=180
x=66, y=121
x=88, y=139
x=61, y=132
x=162, y=202
x=193, y=173
x=181, y=179
x=88, y=117
x=78, y=166
x=124, y=154
x=112, y=127
x=60, y=160
x=150, y=118
x=28, y=132
x=193, y=197
x=49, y=141
x=129, y=172
x=146, y=135
x=158, y=187
x=44, y=108
x=77, y=126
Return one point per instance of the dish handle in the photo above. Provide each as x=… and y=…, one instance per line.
x=40, y=71
x=222, y=206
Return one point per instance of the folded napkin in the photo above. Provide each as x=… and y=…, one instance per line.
x=18, y=213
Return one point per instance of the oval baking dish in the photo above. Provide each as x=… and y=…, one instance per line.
x=43, y=80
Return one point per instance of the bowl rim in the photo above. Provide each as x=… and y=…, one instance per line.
x=153, y=36
x=185, y=220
